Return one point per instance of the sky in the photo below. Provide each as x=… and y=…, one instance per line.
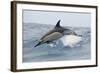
x=72, y=19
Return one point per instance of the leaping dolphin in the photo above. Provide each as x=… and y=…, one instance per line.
x=54, y=34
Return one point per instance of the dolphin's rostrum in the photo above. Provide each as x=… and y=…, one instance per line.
x=54, y=34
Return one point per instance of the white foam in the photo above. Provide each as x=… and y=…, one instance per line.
x=51, y=45
x=71, y=40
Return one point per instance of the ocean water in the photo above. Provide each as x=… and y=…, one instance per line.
x=32, y=32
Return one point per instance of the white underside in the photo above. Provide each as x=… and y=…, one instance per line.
x=71, y=40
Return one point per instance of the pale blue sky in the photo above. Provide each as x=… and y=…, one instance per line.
x=48, y=17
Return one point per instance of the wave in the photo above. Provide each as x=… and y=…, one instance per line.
x=32, y=32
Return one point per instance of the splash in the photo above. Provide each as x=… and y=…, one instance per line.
x=71, y=40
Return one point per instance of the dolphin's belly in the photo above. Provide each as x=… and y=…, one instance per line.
x=52, y=37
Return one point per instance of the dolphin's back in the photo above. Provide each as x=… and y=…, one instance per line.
x=48, y=33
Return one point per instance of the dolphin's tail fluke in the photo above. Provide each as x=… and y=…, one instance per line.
x=37, y=44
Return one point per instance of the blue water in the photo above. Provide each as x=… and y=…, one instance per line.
x=32, y=32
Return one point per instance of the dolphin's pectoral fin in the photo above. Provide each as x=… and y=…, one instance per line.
x=48, y=42
x=51, y=43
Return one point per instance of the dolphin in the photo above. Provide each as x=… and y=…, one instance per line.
x=56, y=33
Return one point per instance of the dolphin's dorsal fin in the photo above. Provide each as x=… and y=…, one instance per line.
x=58, y=24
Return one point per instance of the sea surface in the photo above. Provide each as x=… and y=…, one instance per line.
x=32, y=32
